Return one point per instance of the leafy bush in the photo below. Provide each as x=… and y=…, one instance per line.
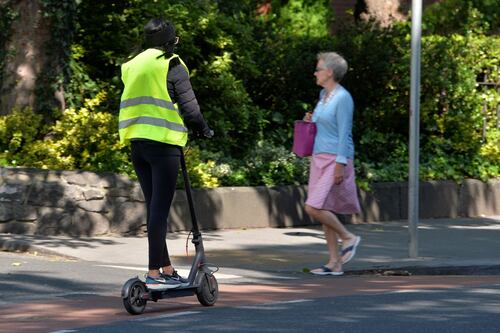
x=452, y=118
x=253, y=76
x=201, y=170
x=18, y=130
x=274, y=165
x=462, y=16
x=269, y=166
x=209, y=44
x=85, y=139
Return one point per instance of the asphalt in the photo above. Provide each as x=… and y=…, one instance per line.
x=445, y=246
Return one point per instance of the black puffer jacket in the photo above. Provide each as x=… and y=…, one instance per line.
x=180, y=90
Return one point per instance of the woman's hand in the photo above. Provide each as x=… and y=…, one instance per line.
x=308, y=117
x=338, y=176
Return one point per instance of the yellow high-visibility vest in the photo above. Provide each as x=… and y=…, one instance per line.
x=146, y=109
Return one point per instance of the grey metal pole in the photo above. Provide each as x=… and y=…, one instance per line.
x=413, y=186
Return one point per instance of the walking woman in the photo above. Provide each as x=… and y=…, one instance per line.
x=156, y=105
x=332, y=187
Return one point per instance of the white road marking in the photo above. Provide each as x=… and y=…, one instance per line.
x=292, y=301
x=170, y=315
x=267, y=305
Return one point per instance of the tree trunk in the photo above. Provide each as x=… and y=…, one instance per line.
x=385, y=11
x=382, y=11
x=25, y=56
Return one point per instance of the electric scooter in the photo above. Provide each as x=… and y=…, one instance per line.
x=201, y=279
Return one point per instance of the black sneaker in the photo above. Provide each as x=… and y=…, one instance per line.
x=161, y=283
x=175, y=277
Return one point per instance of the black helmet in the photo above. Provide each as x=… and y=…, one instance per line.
x=158, y=33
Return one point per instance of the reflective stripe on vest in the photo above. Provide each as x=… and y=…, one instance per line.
x=151, y=121
x=146, y=109
x=147, y=100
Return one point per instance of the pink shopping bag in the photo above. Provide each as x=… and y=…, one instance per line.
x=303, y=138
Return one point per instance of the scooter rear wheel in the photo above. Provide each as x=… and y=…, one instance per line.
x=132, y=296
x=208, y=291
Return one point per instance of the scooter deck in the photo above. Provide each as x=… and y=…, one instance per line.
x=155, y=295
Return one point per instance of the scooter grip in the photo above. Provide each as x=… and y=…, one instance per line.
x=208, y=133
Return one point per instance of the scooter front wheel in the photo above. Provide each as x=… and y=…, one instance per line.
x=208, y=291
x=133, y=292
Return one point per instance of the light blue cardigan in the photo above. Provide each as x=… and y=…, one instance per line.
x=334, y=125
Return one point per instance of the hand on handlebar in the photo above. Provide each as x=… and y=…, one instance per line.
x=208, y=132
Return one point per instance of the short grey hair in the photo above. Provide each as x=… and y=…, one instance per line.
x=335, y=62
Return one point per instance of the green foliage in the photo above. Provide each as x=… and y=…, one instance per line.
x=84, y=139
x=290, y=37
x=81, y=86
x=452, y=117
x=209, y=43
x=275, y=165
x=202, y=170
x=378, y=79
x=463, y=17
x=269, y=166
x=308, y=19
x=17, y=131
x=235, y=60
x=253, y=76
x=88, y=139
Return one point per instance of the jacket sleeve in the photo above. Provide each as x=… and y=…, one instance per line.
x=180, y=90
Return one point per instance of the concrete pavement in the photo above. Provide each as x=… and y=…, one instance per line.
x=445, y=246
x=258, y=267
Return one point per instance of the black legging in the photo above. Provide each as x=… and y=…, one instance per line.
x=156, y=165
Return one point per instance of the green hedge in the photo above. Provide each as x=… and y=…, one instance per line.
x=452, y=113
x=253, y=76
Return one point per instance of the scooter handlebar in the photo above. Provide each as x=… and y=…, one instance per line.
x=208, y=133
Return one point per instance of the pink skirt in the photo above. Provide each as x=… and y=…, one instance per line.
x=324, y=194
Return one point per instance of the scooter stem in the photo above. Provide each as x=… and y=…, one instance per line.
x=197, y=240
x=187, y=187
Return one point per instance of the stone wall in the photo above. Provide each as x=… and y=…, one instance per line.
x=80, y=203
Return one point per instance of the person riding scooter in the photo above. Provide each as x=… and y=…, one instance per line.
x=156, y=105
